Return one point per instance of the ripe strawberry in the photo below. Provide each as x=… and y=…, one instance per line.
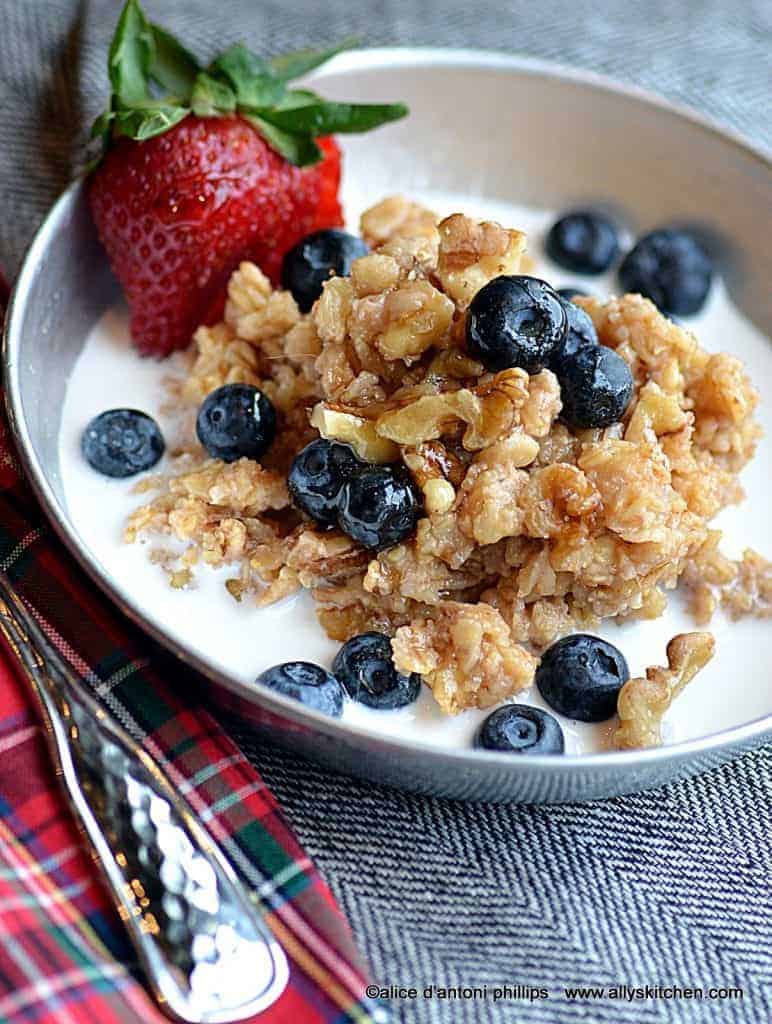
x=226, y=169
x=178, y=213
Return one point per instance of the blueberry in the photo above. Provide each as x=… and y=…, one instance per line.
x=317, y=477
x=364, y=668
x=596, y=386
x=581, y=333
x=236, y=421
x=315, y=259
x=670, y=268
x=311, y=685
x=515, y=321
x=122, y=442
x=380, y=506
x=570, y=292
x=584, y=242
x=520, y=729
x=580, y=676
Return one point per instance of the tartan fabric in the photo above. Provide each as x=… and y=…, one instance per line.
x=63, y=953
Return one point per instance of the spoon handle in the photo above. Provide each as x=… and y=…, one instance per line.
x=205, y=949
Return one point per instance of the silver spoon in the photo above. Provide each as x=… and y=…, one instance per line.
x=204, y=947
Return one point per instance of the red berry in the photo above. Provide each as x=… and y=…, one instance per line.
x=179, y=212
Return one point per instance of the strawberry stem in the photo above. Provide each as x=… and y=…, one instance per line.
x=143, y=56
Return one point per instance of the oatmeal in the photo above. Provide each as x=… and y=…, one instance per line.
x=530, y=529
x=742, y=587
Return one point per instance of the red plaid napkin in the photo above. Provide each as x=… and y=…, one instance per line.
x=63, y=953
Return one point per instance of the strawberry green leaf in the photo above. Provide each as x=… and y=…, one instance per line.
x=300, y=150
x=173, y=67
x=102, y=124
x=249, y=76
x=323, y=117
x=145, y=60
x=240, y=64
x=293, y=65
x=141, y=123
x=131, y=54
x=211, y=97
x=295, y=98
x=101, y=129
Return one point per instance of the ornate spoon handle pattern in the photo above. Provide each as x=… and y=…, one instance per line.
x=205, y=949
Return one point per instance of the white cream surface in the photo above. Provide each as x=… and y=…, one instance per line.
x=241, y=640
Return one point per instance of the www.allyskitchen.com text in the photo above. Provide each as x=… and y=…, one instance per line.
x=530, y=993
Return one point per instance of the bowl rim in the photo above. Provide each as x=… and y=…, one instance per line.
x=336, y=729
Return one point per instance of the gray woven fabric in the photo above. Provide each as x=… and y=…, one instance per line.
x=665, y=888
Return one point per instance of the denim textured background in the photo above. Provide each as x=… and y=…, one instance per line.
x=670, y=887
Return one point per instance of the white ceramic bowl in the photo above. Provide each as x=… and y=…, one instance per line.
x=504, y=128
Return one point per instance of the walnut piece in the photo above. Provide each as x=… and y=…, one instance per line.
x=490, y=496
x=413, y=317
x=472, y=253
x=356, y=431
x=642, y=702
x=489, y=410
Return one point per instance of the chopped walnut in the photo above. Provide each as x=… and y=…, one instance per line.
x=541, y=408
x=465, y=653
x=642, y=702
x=655, y=413
x=471, y=254
x=490, y=497
x=415, y=255
x=489, y=410
x=356, y=431
x=333, y=309
x=364, y=335
x=556, y=499
x=434, y=470
x=413, y=317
